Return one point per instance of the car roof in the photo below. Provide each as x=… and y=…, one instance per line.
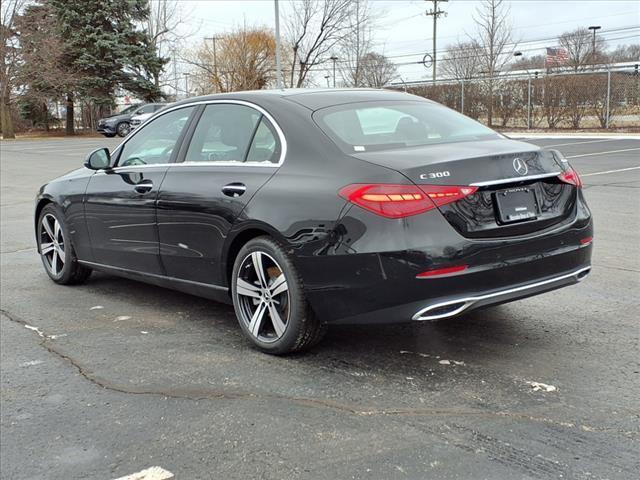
x=312, y=98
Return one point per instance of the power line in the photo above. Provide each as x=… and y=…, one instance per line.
x=585, y=19
x=537, y=40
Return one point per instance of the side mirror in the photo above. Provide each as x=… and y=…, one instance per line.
x=98, y=159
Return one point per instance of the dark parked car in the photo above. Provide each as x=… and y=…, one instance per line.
x=305, y=208
x=120, y=123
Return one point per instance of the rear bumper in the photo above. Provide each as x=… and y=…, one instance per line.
x=396, y=301
x=383, y=288
x=457, y=305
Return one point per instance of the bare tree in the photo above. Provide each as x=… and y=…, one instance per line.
x=162, y=26
x=534, y=62
x=625, y=53
x=9, y=46
x=496, y=49
x=460, y=61
x=315, y=29
x=579, y=46
x=245, y=60
x=356, y=43
x=42, y=74
x=376, y=70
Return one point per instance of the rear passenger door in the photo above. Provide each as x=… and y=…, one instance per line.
x=234, y=148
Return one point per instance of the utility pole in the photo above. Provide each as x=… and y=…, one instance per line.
x=436, y=13
x=594, y=28
x=334, y=59
x=186, y=85
x=175, y=73
x=278, y=61
x=215, y=60
x=357, y=73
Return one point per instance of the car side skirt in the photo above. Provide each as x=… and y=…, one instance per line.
x=213, y=292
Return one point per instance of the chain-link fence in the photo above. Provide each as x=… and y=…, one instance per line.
x=590, y=99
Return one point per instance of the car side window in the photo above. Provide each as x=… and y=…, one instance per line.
x=155, y=141
x=223, y=134
x=265, y=146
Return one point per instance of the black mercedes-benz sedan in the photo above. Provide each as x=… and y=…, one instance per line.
x=310, y=207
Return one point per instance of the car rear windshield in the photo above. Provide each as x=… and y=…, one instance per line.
x=370, y=126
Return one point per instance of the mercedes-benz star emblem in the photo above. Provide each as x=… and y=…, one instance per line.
x=520, y=167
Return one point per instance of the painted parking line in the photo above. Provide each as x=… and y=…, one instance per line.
x=153, y=473
x=610, y=171
x=583, y=143
x=543, y=136
x=603, y=153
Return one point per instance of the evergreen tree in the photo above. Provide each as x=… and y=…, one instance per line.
x=106, y=50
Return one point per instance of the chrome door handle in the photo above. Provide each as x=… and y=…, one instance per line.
x=144, y=187
x=234, y=189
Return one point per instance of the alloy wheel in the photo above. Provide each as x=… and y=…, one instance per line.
x=52, y=246
x=124, y=129
x=263, y=297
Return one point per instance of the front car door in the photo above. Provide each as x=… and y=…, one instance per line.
x=120, y=203
x=234, y=149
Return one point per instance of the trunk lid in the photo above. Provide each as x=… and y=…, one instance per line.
x=507, y=173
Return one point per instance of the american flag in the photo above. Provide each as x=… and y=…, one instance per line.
x=556, y=57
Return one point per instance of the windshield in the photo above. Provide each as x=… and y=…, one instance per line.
x=369, y=126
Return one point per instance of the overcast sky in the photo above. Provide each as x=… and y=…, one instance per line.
x=403, y=28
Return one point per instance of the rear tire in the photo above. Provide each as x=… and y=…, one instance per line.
x=109, y=135
x=56, y=252
x=269, y=300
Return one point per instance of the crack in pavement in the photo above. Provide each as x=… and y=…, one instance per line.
x=212, y=394
x=19, y=250
x=611, y=267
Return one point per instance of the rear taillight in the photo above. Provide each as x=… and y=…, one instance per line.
x=391, y=201
x=443, y=194
x=398, y=201
x=571, y=177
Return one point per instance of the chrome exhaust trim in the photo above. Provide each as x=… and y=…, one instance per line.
x=454, y=307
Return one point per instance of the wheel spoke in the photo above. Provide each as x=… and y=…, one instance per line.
x=54, y=262
x=47, y=228
x=256, y=257
x=256, y=319
x=56, y=229
x=279, y=285
x=46, y=248
x=246, y=289
x=278, y=324
x=60, y=254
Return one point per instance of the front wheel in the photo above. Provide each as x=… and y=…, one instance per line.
x=269, y=300
x=123, y=129
x=56, y=252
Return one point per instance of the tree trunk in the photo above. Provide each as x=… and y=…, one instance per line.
x=5, y=118
x=293, y=65
x=490, y=106
x=70, y=127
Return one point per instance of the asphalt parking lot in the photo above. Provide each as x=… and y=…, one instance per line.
x=112, y=377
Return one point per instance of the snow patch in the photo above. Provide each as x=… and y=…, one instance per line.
x=542, y=387
x=31, y=363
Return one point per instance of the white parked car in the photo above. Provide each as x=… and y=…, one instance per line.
x=146, y=112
